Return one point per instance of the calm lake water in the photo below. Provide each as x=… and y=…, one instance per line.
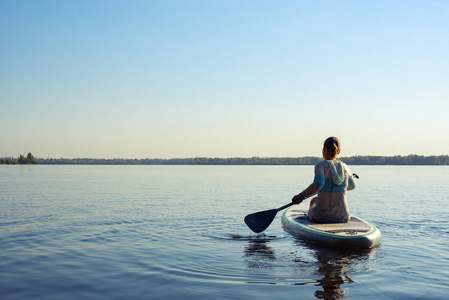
x=177, y=232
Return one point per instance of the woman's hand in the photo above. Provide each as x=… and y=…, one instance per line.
x=298, y=198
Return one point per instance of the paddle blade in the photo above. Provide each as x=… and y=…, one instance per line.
x=260, y=221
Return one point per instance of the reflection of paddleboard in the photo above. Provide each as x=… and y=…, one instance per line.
x=357, y=233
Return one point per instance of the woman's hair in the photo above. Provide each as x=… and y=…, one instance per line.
x=332, y=145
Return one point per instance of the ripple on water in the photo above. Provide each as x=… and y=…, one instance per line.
x=261, y=237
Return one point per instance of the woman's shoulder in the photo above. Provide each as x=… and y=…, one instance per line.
x=321, y=163
x=321, y=167
x=345, y=166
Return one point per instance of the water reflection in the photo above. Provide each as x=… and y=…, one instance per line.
x=326, y=268
x=334, y=269
x=259, y=250
x=260, y=255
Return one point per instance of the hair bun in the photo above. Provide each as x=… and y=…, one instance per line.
x=332, y=144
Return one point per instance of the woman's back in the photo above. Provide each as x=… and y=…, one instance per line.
x=331, y=204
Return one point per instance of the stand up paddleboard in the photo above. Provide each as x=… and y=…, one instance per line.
x=357, y=233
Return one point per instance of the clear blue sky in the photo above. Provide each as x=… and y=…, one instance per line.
x=164, y=79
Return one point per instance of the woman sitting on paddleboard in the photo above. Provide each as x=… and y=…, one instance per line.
x=332, y=179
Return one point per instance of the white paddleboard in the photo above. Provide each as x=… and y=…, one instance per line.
x=357, y=233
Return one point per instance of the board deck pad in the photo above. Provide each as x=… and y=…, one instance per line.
x=354, y=226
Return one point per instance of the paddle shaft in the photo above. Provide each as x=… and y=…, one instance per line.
x=285, y=206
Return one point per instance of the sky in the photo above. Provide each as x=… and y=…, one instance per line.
x=181, y=79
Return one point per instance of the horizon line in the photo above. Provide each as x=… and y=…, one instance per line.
x=231, y=157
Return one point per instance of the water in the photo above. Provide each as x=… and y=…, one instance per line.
x=165, y=232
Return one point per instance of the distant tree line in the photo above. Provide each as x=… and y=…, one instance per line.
x=397, y=160
x=186, y=161
x=352, y=160
x=24, y=160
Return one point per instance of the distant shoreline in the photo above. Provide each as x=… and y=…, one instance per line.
x=440, y=160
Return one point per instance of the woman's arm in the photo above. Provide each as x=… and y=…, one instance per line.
x=351, y=183
x=312, y=189
x=315, y=187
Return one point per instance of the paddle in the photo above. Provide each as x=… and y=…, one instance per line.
x=260, y=221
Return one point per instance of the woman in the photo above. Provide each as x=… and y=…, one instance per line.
x=332, y=179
